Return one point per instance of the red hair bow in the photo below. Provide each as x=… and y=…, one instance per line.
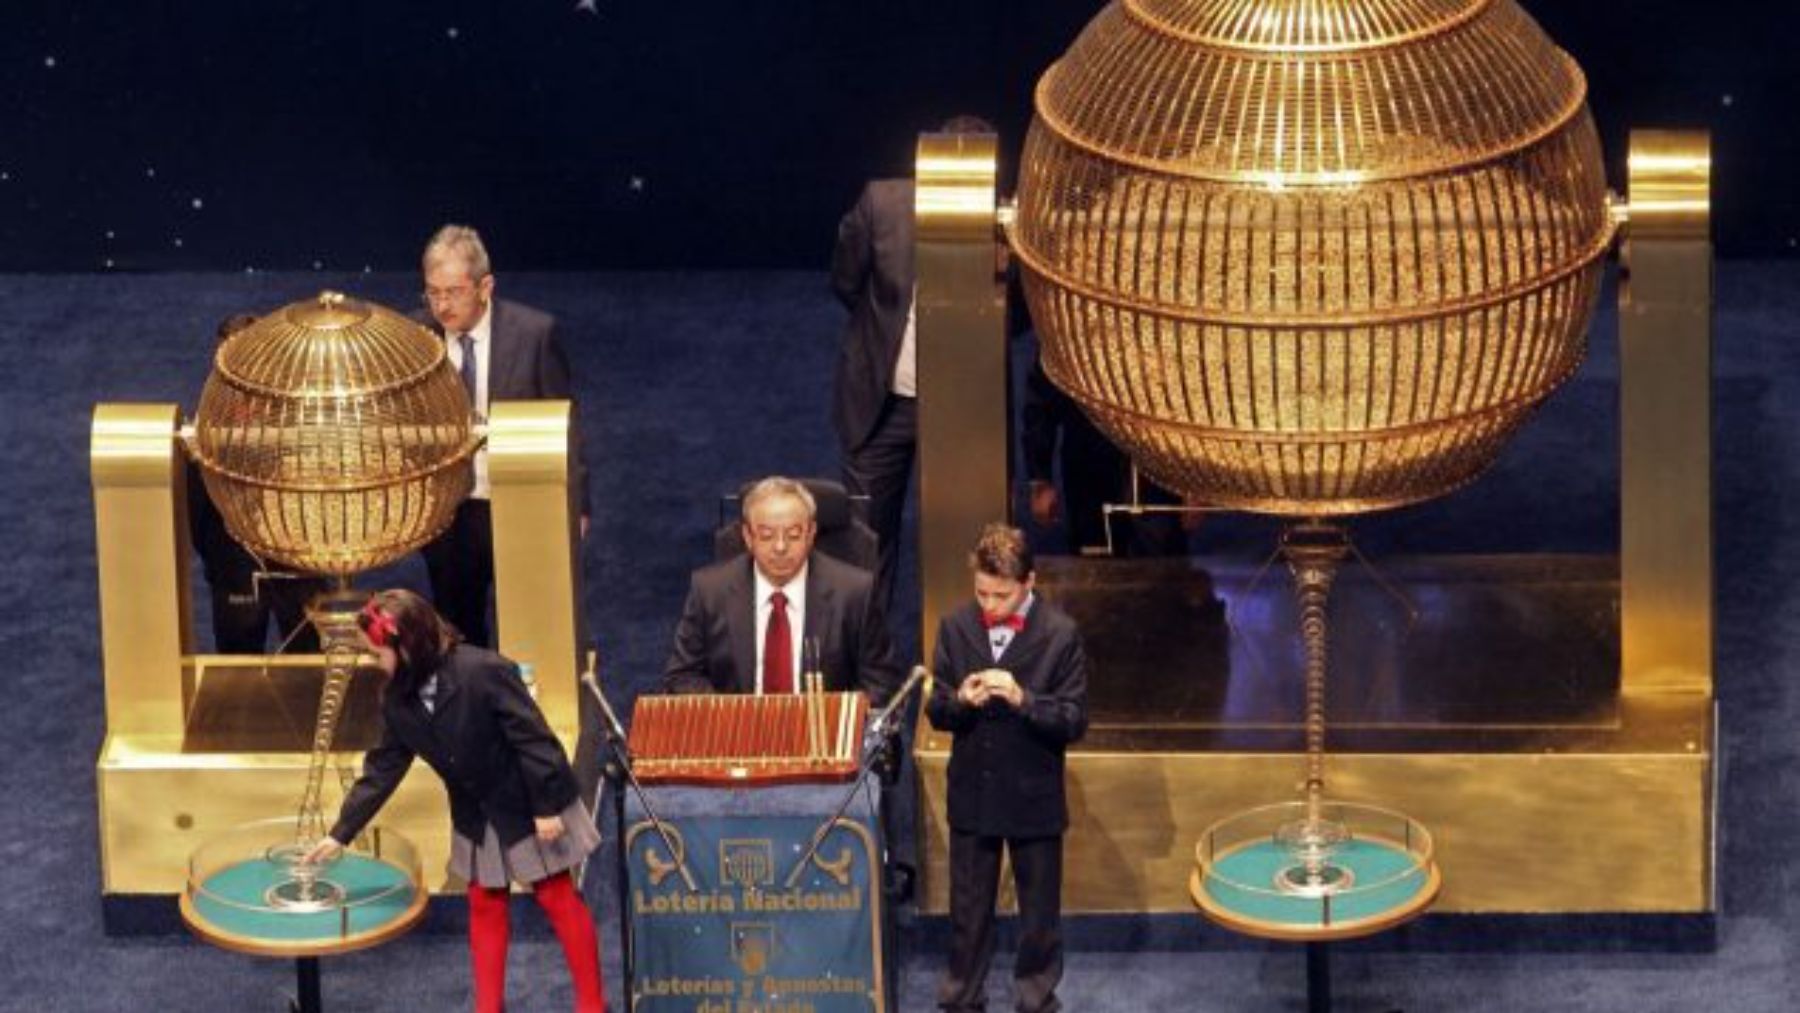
x=377, y=625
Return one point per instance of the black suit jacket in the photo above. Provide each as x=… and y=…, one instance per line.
x=527, y=363
x=715, y=641
x=1006, y=766
x=485, y=737
x=872, y=275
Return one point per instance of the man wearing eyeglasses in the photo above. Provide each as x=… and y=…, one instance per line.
x=504, y=351
x=750, y=622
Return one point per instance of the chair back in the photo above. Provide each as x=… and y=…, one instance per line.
x=843, y=519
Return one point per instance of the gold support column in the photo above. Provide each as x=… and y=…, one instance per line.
x=1665, y=404
x=141, y=546
x=961, y=306
x=537, y=577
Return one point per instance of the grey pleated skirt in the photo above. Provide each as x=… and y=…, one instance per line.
x=493, y=865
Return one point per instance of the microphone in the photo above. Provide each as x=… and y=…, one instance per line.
x=919, y=674
x=613, y=726
x=622, y=754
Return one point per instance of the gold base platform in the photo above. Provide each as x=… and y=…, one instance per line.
x=242, y=758
x=1493, y=714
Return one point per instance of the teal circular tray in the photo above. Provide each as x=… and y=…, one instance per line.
x=1392, y=879
x=226, y=900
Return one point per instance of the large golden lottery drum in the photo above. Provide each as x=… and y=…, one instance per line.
x=334, y=436
x=1312, y=258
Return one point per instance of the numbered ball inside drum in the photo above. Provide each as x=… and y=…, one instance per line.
x=333, y=436
x=1306, y=258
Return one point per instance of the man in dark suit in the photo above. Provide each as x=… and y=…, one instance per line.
x=245, y=591
x=875, y=401
x=504, y=351
x=1011, y=687
x=749, y=622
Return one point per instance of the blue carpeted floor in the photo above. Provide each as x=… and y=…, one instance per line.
x=692, y=382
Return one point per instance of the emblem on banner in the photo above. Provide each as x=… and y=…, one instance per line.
x=746, y=862
x=837, y=868
x=752, y=945
x=661, y=868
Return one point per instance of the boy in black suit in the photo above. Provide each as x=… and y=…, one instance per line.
x=1012, y=688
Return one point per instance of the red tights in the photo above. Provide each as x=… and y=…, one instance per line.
x=490, y=927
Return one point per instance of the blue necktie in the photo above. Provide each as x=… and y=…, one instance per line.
x=468, y=369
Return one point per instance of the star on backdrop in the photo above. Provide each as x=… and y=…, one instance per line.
x=156, y=189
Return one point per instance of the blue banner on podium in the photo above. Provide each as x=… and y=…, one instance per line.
x=733, y=923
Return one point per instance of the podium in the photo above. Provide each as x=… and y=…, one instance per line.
x=759, y=889
x=734, y=923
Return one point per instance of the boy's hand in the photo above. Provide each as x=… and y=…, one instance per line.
x=973, y=692
x=1002, y=685
x=991, y=684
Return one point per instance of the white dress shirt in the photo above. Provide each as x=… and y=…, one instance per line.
x=1001, y=637
x=906, y=367
x=796, y=615
x=483, y=333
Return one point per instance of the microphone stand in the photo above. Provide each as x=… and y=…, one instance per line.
x=618, y=765
x=885, y=727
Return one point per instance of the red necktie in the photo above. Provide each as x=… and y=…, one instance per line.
x=1014, y=621
x=778, y=649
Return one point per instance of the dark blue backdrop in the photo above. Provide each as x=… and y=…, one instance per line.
x=642, y=133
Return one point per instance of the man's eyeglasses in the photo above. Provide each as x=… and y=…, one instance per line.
x=454, y=294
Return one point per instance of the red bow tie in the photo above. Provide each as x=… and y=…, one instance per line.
x=1014, y=622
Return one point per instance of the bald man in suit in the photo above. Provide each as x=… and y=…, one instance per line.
x=746, y=621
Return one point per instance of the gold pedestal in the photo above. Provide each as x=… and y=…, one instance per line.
x=1491, y=713
x=1557, y=830
x=177, y=767
x=158, y=804
x=963, y=410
